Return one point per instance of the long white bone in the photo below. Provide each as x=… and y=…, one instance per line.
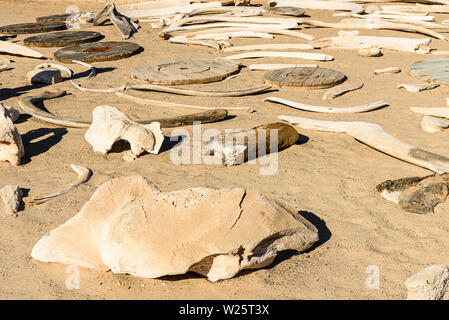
x=17, y=49
x=301, y=55
x=436, y=112
x=376, y=137
x=341, y=89
x=274, y=46
x=276, y=66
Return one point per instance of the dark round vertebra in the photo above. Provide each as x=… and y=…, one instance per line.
x=33, y=27
x=62, y=38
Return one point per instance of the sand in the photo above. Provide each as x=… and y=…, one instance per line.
x=329, y=178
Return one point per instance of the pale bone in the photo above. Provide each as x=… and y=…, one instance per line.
x=4, y=60
x=207, y=43
x=237, y=146
x=385, y=15
x=241, y=26
x=430, y=283
x=17, y=49
x=418, y=8
x=213, y=232
x=44, y=77
x=436, y=112
x=11, y=145
x=323, y=5
x=226, y=9
x=430, y=25
x=341, y=89
x=387, y=70
x=370, y=51
x=109, y=125
x=11, y=196
x=391, y=43
x=165, y=11
x=124, y=24
x=165, y=104
x=376, y=137
x=276, y=66
x=4, y=67
x=432, y=125
x=351, y=33
x=374, y=25
x=289, y=33
x=47, y=65
x=235, y=34
x=415, y=88
x=11, y=112
x=93, y=70
x=275, y=46
x=306, y=107
x=371, y=8
x=27, y=106
x=84, y=175
x=301, y=55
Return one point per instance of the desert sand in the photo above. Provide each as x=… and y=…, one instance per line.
x=328, y=178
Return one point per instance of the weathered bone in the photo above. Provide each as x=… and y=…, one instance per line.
x=11, y=145
x=11, y=112
x=236, y=147
x=432, y=125
x=436, y=112
x=341, y=89
x=351, y=33
x=323, y=5
x=261, y=54
x=232, y=34
x=163, y=8
x=207, y=43
x=415, y=88
x=370, y=51
x=301, y=106
x=429, y=283
x=213, y=232
x=11, y=196
x=17, y=49
x=124, y=24
x=387, y=70
x=84, y=175
x=276, y=66
x=47, y=65
x=275, y=46
x=109, y=125
x=93, y=70
x=37, y=76
x=376, y=137
x=416, y=194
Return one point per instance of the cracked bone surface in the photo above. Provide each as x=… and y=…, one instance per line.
x=84, y=175
x=415, y=88
x=376, y=137
x=11, y=197
x=109, y=125
x=130, y=226
x=432, y=124
x=430, y=283
x=11, y=145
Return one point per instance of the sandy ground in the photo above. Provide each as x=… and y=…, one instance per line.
x=329, y=178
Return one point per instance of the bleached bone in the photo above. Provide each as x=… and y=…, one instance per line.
x=418, y=87
x=375, y=25
x=376, y=137
x=109, y=125
x=341, y=89
x=165, y=104
x=226, y=9
x=372, y=8
x=44, y=76
x=429, y=283
x=439, y=53
x=4, y=67
x=124, y=24
x=306, y=107
x=11, y=145
x=213, y=232
x=207, y=43
x=121, y=88
x=351, y=33
x=252, y=28
x=17, y=49
x=93, y=70
x=235, y=34
x=46, y=65
x=242, y=26
x=84, y=175
x=370, y=51
x=275, y=46
x=391, y=43
x=322, y=5
x=4, y=60
x=387, y=70
x=432, y=125
x=165, y=10
x=436, y=112
x=11, y=196
x=262, y=54
x=276, y=66
x=10, y=112
x=419, y=23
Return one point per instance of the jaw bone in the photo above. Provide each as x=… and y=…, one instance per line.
x=213, y=232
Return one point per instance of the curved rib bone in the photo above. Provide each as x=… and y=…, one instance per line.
x=341, y=89
x=301, y=106
x=436, y=112
x=47, y=65
x=376, y=137
x=27, y=105
x=93, y=70
x=84, y=175
x=302, y=55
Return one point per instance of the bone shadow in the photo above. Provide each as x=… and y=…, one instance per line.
x=33, y=149
x=25, y=193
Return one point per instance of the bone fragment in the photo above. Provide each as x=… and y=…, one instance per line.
x=322, y=5
x=124, y=24
x=207, y=43
x=350, y=33
x=93, y=70
x=84, y=175
x=430, y=283
x=376, y=137
x=341, y=89
x=432, y=125
x=19, y=50
x=44, y=77
x=47, y=65
x=387, y=70
x=277, y=46
x=10, y=112
x=11, y=145
x=415, y=88
x=370, y=51
x=11, y=197
x=301, y=55
x=436, y=112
